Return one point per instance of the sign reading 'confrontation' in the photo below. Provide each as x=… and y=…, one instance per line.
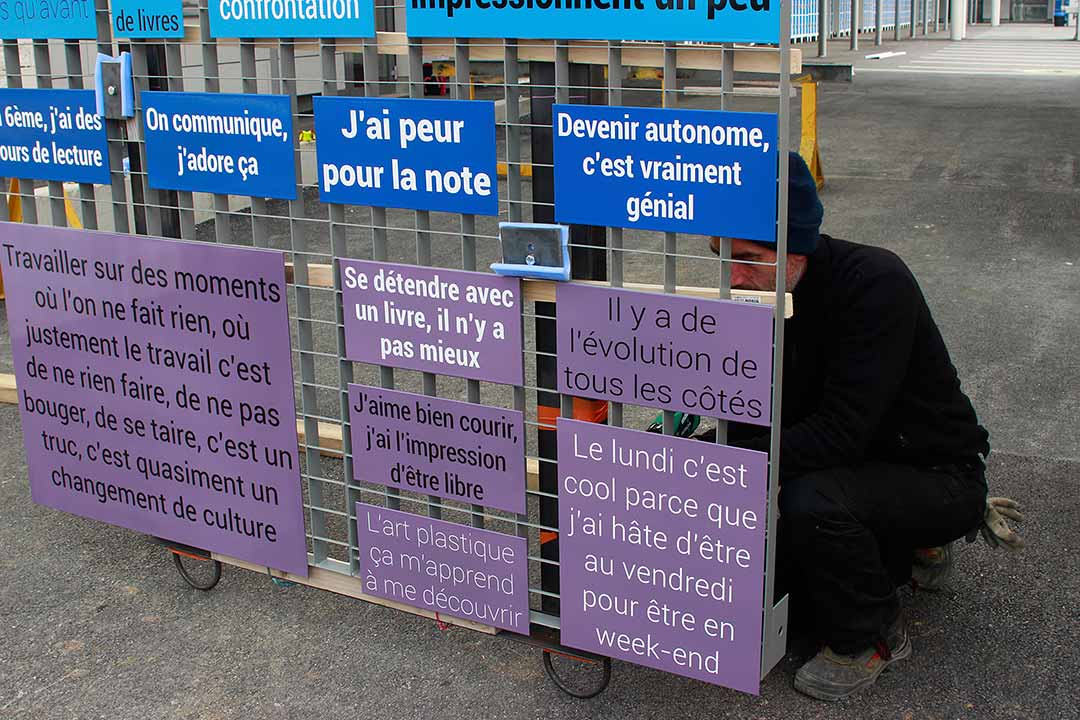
x=417, y=154
x=716, y=20
x=691, y=171
x=220, y=143
x=707, y=357
x=448, y=322
x=156, y=389
x=452, y=449
x=291, y=18
x=52, y=135
x=662, y=551
x=458, y=570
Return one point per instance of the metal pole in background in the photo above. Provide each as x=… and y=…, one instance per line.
x=823, y=28
x=877, y=22
x=896, y=20
x=956, y=20
x=856, y=6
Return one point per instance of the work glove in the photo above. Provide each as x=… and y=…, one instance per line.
x=994, y=529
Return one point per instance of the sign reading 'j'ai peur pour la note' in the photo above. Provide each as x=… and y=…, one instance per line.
x=700, y=20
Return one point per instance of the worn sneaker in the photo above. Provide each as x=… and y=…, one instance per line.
x=832, y=676
x=932, y=568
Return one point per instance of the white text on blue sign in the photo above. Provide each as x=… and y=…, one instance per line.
x=693, y=171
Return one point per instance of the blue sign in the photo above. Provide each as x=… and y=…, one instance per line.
x=700, y=20
x=52, y=135
x=220, y=143
x=692, y=171
x=417, y=154
x=292, y=18
x=147, y=18
x=39, y=19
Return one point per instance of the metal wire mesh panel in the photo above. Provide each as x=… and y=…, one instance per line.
x=522, y=78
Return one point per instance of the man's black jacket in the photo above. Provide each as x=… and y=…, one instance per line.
x=866, y=372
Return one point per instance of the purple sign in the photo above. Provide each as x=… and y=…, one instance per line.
x=458, y=570
x=452, y=449
x=448, y=322
x=707, y=357
x=156, y=389
x=662, y=551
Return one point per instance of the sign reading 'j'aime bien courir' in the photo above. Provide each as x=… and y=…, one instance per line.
x=700, y=20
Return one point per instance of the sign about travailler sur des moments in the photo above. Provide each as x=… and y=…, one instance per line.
x=156, y=389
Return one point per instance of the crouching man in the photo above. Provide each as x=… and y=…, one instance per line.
x=881, y=451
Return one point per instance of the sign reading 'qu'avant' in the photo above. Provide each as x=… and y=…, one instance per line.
x=700, y=20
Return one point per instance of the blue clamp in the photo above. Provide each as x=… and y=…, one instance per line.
x=113, y=88
x=534, y=250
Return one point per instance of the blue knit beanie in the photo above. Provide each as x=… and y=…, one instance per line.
x=804, y=208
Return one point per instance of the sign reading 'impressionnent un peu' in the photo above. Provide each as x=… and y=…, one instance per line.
x=699, y=20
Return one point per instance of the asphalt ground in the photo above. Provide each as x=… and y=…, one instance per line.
x=973, y=180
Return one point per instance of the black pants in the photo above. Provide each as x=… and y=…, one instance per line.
x=847, y=536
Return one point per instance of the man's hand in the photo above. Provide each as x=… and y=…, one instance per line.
x=995, y=530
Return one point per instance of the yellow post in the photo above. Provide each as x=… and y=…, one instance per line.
x=808, y=147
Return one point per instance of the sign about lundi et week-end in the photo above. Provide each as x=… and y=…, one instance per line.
x=662, y=551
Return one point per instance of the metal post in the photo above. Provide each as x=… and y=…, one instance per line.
x=823, y=28
x=856, y=12
x=956, y=20
x=995, y=12
x=877, y=22
x=911, y=29
x=896, y=20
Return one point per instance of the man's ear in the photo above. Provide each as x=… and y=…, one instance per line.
x=714, y=245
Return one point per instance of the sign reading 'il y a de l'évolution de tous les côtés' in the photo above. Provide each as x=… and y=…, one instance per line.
x=52, y=135
x=448, y=322
x=704, y=172
x=41, y=19
x=156, y=388
x=696, y=20
x=457, y=570
x=456, y=450
x=706, y=357
x=291, y=18
x=220, y=143
x=147, y=18
x=662, y=551
x=406, y=153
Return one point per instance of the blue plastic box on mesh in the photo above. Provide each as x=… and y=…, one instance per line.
x=534, y=250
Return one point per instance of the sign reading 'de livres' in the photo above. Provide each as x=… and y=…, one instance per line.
x=156, y=389
x=291, y=18
x=449, y=322
x=416, y=154
x=52, y=135
x=662, y=551
x=40, y=19
x=691, y=171
x=458, y=570
x=147, y=18
x=707, y=357
x=456, y=450
x=220, y=143
x=700, y=20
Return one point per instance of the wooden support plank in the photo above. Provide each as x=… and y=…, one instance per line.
x=8, y=394
x=321, y=275
x=345, y=584
x=589, y=52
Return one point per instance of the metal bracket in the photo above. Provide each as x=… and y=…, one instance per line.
x=774, y=644
x=115, y=92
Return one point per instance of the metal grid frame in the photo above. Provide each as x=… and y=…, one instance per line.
x=316, y=235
